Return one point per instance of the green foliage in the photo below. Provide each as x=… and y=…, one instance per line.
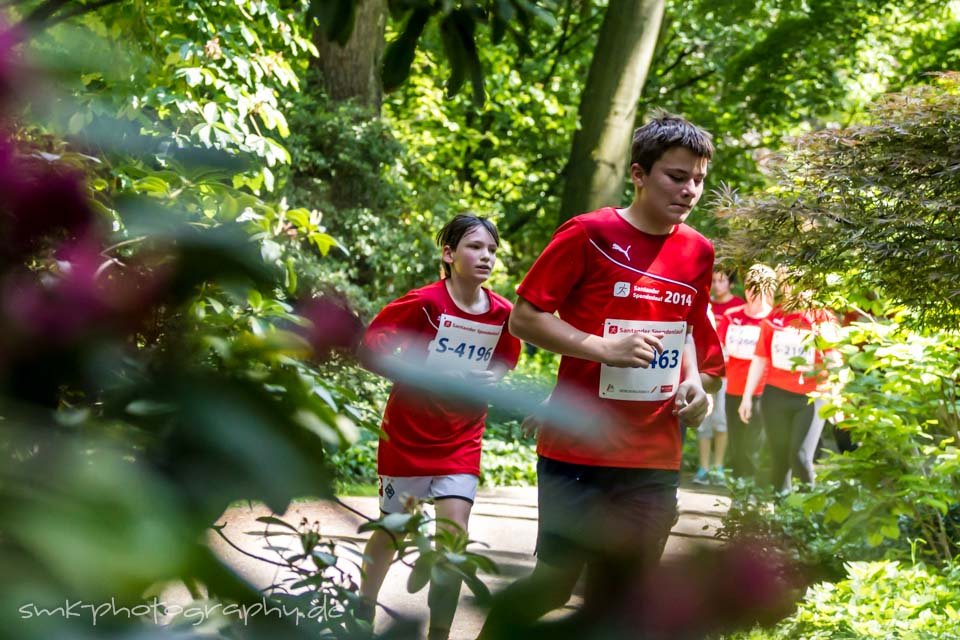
x=508, y=464
x=505, y=159
x=777, y=525
x=883, y=599
x=443, y=559
x=354, y=170
x=897, y=395
x=878, y=201
x=457, y=22
x=194, y=72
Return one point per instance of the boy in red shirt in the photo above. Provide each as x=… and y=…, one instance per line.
x=432, y=444
x=630, y=287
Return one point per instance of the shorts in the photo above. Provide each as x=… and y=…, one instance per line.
x=716, y=420
x=589, y=513
x=395, y=490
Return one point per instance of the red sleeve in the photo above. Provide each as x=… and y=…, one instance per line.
x=393, y=328
x=507, y=352
x=764, y=341
x=709, y=349
x=558, y=269
x=723, y=322
x=508, y=347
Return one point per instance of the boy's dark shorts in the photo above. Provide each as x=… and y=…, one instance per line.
x=589, y=512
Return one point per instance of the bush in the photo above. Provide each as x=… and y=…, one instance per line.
x=884, y=599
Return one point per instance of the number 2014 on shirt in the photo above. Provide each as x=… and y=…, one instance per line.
x=669, y=359
x=679, y=298
x=470, y=351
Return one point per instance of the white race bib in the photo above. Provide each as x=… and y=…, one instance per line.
x=661, y=379
x=742, y=340
x=790, y=343
x=462, y=345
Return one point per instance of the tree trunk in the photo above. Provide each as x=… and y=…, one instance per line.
x=353, y=71
x=597, y=167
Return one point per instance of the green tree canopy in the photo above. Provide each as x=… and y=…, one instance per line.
x=880, y=201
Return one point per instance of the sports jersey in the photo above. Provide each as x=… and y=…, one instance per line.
x=604, y=276
x=720, y=308
x=739, y=333
x=427, y=434
x=785, y=336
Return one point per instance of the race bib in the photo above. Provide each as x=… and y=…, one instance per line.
x=661, y=379
x=742, y=340
x=462, y=345
x=790, y=343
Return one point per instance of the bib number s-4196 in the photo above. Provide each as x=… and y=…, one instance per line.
x=657, y=382
x=462, y=345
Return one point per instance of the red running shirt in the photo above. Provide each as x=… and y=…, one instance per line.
x=720, y=308
x=785, y=336
x=605, y=276
x=739, y=333
x=427, y=434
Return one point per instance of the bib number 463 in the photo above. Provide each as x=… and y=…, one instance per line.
x=668, y=359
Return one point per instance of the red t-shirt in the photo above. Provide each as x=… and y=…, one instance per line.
x=788, y=335
x=605, y=276
x=428, y=435
x=739, y=333
x=720, y=308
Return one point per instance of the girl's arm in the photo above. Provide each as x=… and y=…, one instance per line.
x=758, y=367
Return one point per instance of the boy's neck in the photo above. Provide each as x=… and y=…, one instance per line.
x=637, y=217
x=726, y=297
x=469, y=296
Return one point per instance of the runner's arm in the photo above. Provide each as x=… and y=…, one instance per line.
x=754, y=375
x=549, y=332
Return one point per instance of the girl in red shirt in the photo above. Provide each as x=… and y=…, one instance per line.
x=431, y=444
x=790, y=418
x=739, y=331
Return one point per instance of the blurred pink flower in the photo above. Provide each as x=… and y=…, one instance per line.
x=713, y=591
x=84, y=297
x=333, y=325
x=41, y=202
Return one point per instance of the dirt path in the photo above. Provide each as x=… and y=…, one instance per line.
x=505, y=519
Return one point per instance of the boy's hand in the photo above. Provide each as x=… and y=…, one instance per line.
x=690, y=403
x=631, y=349
x=530, y=426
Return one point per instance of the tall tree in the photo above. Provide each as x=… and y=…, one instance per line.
x=351, y=70
x=608, y=107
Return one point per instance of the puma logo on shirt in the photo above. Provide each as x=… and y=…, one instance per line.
x=625, y=252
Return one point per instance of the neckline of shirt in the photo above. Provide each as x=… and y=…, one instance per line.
x=452, y=301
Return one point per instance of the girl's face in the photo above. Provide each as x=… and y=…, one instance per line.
x=473, y=258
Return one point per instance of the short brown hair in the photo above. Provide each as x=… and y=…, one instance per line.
x=664, y=132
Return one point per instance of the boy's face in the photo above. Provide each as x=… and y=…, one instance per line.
x=673, y=186
x=720, y=286
x=474, y=256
